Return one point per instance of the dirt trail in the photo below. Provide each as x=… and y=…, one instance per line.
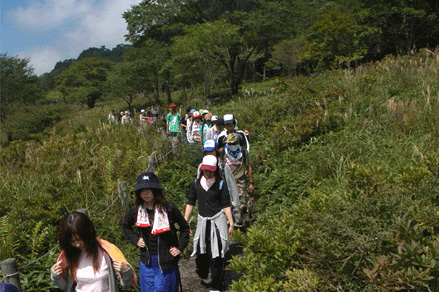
x=191, y=281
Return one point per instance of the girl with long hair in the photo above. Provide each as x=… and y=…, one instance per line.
x=88, y=263
x=156, y=235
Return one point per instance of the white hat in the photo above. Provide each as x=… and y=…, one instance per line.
x=209, y=145
x=214, y=118
x=205, y=112
x=228, y=119
x=209, y=163
x=142, y=111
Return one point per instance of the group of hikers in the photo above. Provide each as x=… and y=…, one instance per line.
x=150, y=117
x=157, y=227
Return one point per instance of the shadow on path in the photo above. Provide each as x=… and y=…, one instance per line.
x=190, y=279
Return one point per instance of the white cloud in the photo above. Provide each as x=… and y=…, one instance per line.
x=71, y=27
x=49, y=14
x=44, y=59
x=103, y=26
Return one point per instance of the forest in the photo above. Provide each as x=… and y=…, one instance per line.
x=341, y=100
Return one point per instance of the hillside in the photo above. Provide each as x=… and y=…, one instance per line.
x=345, y=166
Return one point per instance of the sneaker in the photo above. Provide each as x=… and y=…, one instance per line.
x=238, y=225
x=208, y=280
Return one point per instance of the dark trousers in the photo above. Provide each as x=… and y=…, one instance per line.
x=204, y=262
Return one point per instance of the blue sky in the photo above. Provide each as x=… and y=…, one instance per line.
x=48, y=31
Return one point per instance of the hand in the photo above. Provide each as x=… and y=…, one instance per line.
x=174, y=251
x=120, y=266
x=251, y=188
x=231, y=230
x=141, y=243
x=56, y=268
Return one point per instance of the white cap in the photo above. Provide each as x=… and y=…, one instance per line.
x=209, y=163
x=209, y=145
x=228, y=119
x=142, y=111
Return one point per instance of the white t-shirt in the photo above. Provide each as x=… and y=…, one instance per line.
x=89, y=281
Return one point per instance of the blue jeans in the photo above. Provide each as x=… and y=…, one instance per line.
x=152, y=279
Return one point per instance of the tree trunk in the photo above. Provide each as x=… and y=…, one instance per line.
x=157, y=92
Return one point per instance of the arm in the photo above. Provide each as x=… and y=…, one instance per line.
x=188, y=211
x=127, y=226
x=225, y=203
x=228, y=212
x=56, y=277
x=167, y=124
x=183, y=227
x=124, y=273
x=251, y=186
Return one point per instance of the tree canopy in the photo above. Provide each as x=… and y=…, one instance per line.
x=18, y=84
x=83, y=81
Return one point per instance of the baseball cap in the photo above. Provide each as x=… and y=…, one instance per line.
x=209, y=163
x=228, y=119
x=209, y=145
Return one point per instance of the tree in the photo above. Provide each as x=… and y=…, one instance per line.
x=285, y=56
x=83, y=81
x=18, y=84
x=334, y=41
x=401, y=25
x=138, y=74
x=217, y=42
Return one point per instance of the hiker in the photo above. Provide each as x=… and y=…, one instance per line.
x=211, y=240
x=88, y=263
x=203, y=115
x=238, y=159
x=195, y=127
x=189, y=122
x=143, y=118
x=207, y=124
x=210, y=147
x=230, y=127
x=126, y=119
x=216, y=129
x=173, y=121
x=173, y=127
x=112, y=117
x=183, y=123
x=160, y=247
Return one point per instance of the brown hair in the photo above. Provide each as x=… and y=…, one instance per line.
x=159, y=198
x=80, y=225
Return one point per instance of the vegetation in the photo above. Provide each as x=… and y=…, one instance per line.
x=343, y=135
x=345, y=165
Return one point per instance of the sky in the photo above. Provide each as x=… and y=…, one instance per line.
x=49, y=31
